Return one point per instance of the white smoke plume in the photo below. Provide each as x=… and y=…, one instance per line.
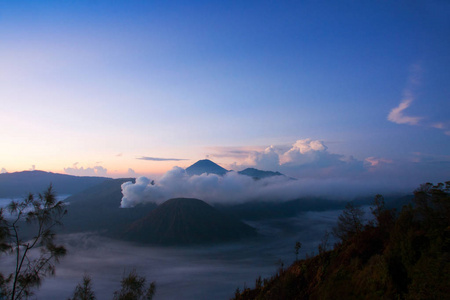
x=233, y=188
x=319, y=173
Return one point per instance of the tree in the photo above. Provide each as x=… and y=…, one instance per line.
x=323, y=246
x=384, y=217
x=433, y=202
x=27, y=233
x=349, y=222
x=83, y=291
x=297, y=247
x=133, y=288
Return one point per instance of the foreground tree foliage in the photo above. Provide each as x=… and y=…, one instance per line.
x=132, y=288
x=350, y=222
x=27, y=233
x=83, y=291
x=396, y=256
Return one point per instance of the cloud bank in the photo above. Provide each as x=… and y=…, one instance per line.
x=95, y=171
x=306, y=158
x=160, y=159
x=234, y=188
x=319, y=173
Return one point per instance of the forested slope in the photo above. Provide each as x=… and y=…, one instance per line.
x=398, y=255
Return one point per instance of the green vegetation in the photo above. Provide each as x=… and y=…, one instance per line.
x=132, y=288
x=27, y=233
x=33, y=246
x=402, y=255
x=83, y=291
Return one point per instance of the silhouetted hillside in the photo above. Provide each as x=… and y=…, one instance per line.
x=395, y=256
x=187, y=221
x=205, y=166
x=19, y=184
x=259, y=174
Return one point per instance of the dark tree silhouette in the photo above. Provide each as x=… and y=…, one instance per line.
x=297, y=247
x=133, y=288
x=349, y=222
x=384, y=218
x=83, y=291
x=28, y=235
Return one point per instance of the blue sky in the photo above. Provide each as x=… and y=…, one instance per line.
x=87, y=87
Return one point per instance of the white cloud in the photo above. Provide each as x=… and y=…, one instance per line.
x=131, y=172
x=306, y=158
x=3, y=171
x=230, y=188
x=375, y=161
x=303, y=152
x=438, y=125
x=267, y=159
x=95, y=171
x=397, y=115
x=234, y=188
x=160, y=158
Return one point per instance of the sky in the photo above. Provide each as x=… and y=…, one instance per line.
x=315, y=89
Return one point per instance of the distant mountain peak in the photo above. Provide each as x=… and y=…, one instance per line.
x=205, y=166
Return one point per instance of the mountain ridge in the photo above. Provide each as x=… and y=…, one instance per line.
x=259, y=174
x=19, y=184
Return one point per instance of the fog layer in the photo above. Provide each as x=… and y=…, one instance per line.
x=212, y=272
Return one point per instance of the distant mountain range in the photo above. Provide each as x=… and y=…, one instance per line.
x=207, y=166
x=19, y=184
x=183, y=221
